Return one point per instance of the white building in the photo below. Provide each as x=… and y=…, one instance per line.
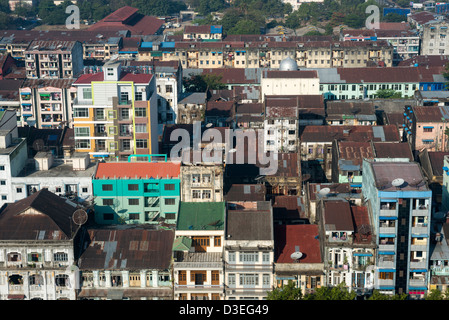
x=198, y=251
x=38, y=243
x=249, y=250
x=288, y=80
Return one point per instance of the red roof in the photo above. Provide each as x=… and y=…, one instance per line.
x=289, y=237
x=127, y=18
x=137, y=170
x=134, y=77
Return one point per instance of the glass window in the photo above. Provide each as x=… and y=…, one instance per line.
x=87, y=93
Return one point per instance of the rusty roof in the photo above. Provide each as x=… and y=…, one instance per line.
x=393, y=150
x=410, y=172
x=299, y=74
x=128, y=248
x=355, y=151
x=245, y=192
x=51, y=218
x=337, y=216
x=324, y=133
x=436, y=161
x=288, y=206
x=249, y=225
x=302, y=237
x=431, y=113
x=363, y=233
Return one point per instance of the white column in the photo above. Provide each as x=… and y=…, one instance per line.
x=96, y=278
x=143, y=278
x=155, y=279
x=107, y=275
x=125, y=278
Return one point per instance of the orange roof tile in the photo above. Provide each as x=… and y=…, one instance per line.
x=120, y=170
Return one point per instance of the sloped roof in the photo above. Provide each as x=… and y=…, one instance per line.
x=201, y=216
x=249, y=225
x=51, y=219
x=319, y=133
x=289, y=237
x=337, y=216
x=128, y=248
x=120, y=170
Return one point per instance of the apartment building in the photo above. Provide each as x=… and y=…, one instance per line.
x=202, y=182
x=191, y=107
x=401, y=205
x=115, y=113
x=350, y=113
x=424, y=127
x=434, y=39
x=249, y=250
x=298, y=257
x=349, y=246
x=38, y=263
x=203, y=32
x=53, y=59
x=288, y=81
x=269, y=54
x=130, y=263
x=136, y=192
x=47, y=103
x=198, y=251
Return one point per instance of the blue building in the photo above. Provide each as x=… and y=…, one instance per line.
x=400, y=201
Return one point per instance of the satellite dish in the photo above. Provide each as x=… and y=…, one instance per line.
x=79, y=217
x=38, y=145
x=209, y=125
x=296, y=255
x=397, y=182
x=232, y=150
x=324, y=191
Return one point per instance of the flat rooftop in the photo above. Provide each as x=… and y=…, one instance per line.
x=410, y=172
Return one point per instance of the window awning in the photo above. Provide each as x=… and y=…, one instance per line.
x=363, y=254
x=16, y=296
x=387, y=270
x=388, y=218
x=385, y=235
x=386, y=252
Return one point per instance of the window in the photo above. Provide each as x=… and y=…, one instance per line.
x=124, y=113
x=84, y=190
x=427, y=129
x=60, y=256
x=80, y=112
x=140, y=112
x=168, y=88
x=141, y=127
x=82, y=132
x=133, y=187
x=134, y=216
x=87, y=93
x=108, y=202
x=58, y=189
x=82, y=144
x=108, y=216
x=133, y=202
x=231, y=256
x=169, y=186
x=249, y=279
x=2, y=182
x=217, y=241
x=206, y=194
x=265, y=280
x=141, y=143
x=138, y=96
x=196, y=194
x=231, y=279
x=170, y=201
x=19, y=190
x=106, y=187
x=249, y=257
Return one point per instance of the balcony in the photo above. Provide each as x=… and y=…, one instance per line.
x=417, y=282
x=388, y=212
x=385, y=282
x=418, y=264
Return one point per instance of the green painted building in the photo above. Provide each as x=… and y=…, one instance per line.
x=136, y=192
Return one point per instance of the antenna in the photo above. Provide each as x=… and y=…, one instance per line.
x=398, y=182
x=79, y=217
x=297, y=254
x=324, y=192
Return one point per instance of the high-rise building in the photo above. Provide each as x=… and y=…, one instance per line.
x=115, y=113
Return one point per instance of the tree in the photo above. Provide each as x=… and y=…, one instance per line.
x=388, y=94
x=354, y=20
x=380, y=296
x=202, y=82
x=339, y=292
x=5, y=21
x=288, y=292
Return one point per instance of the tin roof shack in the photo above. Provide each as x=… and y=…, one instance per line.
x=350, y=113
x=132, y=262
x=297, y=256
x=198, y=267
x=40, y=242
x=348, y=244
x=249, y=251
x=316, y=145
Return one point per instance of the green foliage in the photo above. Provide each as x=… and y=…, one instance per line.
x=388, y=94
x=288, y=292
x=380, y=296
x=4, y=6
x=5, y=21
x=202, y=83
x=158, y=7
x=339, y=292
x=204, y=7
x=354, y=20
x=394, y=17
